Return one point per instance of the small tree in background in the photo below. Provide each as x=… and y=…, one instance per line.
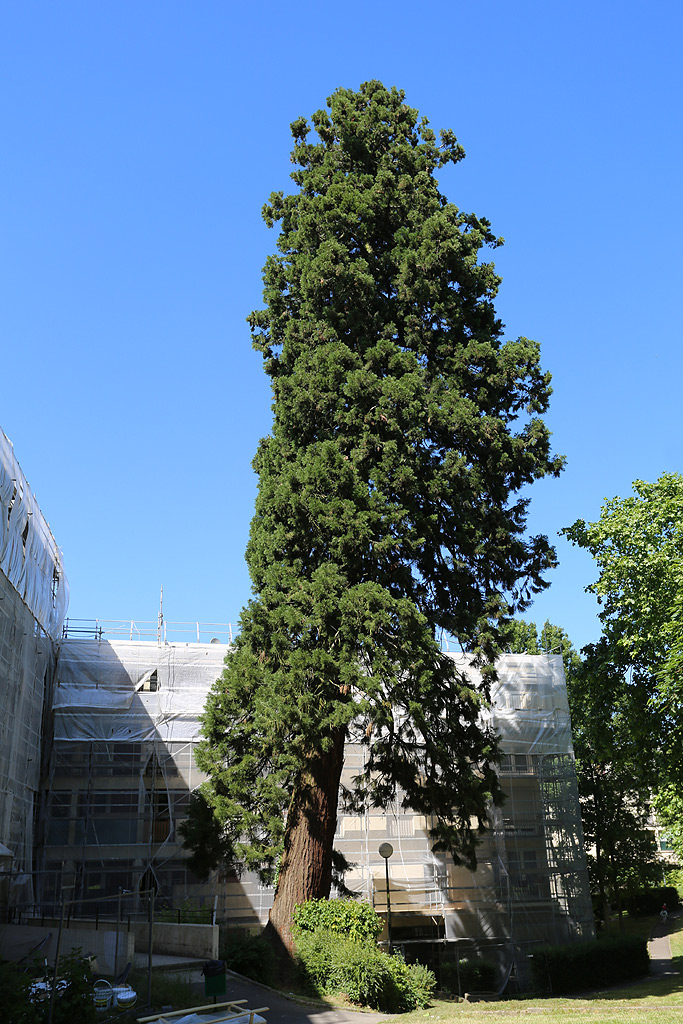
x=387, y=509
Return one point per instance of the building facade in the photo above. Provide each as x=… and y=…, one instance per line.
x=126, y=720
x=98, y=728
x=33, y=601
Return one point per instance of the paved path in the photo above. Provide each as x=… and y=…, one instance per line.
x=659, y=948
x=281, y=1009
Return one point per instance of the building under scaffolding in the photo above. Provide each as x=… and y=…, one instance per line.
x=33, y=600
x=97, y=734
x=121, y=769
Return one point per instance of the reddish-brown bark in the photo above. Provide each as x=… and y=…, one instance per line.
x=306, y=867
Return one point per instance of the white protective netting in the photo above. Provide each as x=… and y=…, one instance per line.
x=125, y=725
x=29, y=556
x=33, y=600
x=531, y=882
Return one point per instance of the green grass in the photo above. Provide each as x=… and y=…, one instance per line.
x=676, y=938
x=652, y=1003
x=655, y=1001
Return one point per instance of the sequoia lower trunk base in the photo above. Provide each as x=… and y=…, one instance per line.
x=306, y=867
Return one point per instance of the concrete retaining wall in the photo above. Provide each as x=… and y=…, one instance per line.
x=191, y=940
x=18, y=940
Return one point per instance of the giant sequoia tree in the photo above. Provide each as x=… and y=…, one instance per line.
x=388, y=507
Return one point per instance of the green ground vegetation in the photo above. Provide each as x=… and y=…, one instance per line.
x=666, y=1008
x=655, y=1001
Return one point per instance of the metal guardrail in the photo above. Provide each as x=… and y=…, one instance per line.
x=138, y=629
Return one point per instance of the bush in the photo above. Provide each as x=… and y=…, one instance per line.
x=674, y=877
x=14, y=995
x=353, y=919
x=250, y=955
x=421, y=984
x=649, y=901
x=367, y=976
x=476, y=975
x=73, y=1000
x=590, y=965
x=74, y=1003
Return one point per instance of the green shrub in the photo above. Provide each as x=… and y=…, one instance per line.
x=74, y=1003
x=14, y=995
x=649, y=901
x=367, y=976
x=590, y=965
x=353, y=919
x=250, y=955
x=363, y=973
x=476, y=975
x=314, y=952
x=73, y=999
x=419, y=985
x=674, y=877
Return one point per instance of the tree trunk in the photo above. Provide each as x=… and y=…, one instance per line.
x=306, y=866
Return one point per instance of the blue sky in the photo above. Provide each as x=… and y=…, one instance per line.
x=139, y=144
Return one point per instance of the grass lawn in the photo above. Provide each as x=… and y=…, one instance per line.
x=657, y=1001
x=665, y=1008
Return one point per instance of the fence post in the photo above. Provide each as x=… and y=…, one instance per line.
x=149, y=948
x=118, y=925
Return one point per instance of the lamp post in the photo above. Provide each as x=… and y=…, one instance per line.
x=386, y=850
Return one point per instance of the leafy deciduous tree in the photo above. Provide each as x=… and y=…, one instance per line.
x=387, y=507
x=638, y=545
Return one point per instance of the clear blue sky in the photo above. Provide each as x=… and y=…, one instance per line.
x=139, y=142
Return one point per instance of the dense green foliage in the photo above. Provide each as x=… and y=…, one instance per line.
x=355, y=919
x=637, y=544
x=388, y=505
x=669, y=808
x=250, y=955
x=589, y=965
x=468, y=975
x=362, y=972
x=14, y=994
x=650, y=901
x=73, y=1002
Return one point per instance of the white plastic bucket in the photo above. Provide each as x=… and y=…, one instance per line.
x=102, y=994
x=124, y=996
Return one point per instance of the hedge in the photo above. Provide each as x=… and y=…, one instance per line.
x=649, y=901
x=475, y=975
x=590, y=965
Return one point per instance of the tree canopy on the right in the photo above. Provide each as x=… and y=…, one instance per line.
x=637, y=544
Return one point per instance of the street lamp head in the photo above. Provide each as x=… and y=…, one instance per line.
x=386, y=850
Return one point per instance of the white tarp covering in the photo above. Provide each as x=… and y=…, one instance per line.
x=530, y=710
x=127, y=715
x=29, y=556
x=133, y=691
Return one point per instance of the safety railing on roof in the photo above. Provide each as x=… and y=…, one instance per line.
x=162, y=632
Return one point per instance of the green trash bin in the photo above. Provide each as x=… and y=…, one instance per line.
x=214, y=978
